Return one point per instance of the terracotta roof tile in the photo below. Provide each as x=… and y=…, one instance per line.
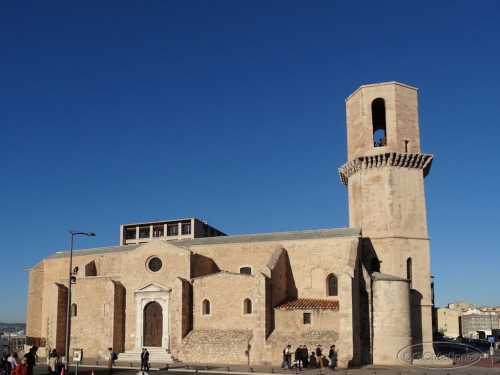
x=308, y=303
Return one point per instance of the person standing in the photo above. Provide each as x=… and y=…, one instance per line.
x=305, y=356
x=319, y=357
x=53, y=361
x=287, y=357
x=333, y=355
x=145, y=359
x=111, y=360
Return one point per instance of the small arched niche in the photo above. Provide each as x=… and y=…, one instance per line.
x=379, y=123
x=205, y=307
x=247, y=306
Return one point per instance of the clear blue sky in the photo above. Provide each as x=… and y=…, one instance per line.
x=117, y=112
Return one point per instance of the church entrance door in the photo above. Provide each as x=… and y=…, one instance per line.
x=153, y=324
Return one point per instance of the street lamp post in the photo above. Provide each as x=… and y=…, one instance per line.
x=68, y=307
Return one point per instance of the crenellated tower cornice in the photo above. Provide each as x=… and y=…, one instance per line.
x=387, y=159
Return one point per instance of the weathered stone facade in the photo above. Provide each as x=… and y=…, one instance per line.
x=241, y=299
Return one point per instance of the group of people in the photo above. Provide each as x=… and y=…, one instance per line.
x=13, y=365
x=302, y=359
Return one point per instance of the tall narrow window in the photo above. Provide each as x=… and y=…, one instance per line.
x=247, y=306
x=409, y=271
x=378, y=122
x=333, y=286
x=74, y=310
x=206, y=307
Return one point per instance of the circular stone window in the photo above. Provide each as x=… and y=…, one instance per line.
x=154, y=264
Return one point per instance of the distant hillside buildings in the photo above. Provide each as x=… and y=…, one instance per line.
x=468, y=321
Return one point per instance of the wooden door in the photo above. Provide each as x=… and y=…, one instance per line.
x=153, y=324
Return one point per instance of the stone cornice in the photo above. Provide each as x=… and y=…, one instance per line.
x=388, y=159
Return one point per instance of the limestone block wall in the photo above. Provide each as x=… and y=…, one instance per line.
x=181, y=309
x=226, y=293
x=56, y=317
x=99, y=323
x=201, y=266
x=391, y=318
x=264, y=313
x=230, y=257
x=35, y=320
x=218, y=346
x=321, y=320
x=375, y=207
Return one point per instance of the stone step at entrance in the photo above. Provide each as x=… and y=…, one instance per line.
x=156, y=355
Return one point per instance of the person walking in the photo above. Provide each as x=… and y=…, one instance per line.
x=333, y=355
x=145, y=359
x=298, y=358
x=111, y=359
x=319, y=357
x=287, y=357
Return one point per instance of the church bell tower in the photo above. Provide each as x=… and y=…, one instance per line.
x=385, y=179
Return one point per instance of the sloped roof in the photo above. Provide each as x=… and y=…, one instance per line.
x=247, y=238
x=222, y=272
x=308, y=303
x=270, y=237
x=93, y=251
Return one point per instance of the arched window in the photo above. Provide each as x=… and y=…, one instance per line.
x=205, y=309
x=375, y=265
x=378, y=122
x=409, y=270
x=333, y=289
x=247, y=306
x=74, y=310
x=246, y=270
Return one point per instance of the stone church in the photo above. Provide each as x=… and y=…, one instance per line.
x=188, y=292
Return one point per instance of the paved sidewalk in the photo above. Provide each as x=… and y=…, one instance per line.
x=99, y=366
